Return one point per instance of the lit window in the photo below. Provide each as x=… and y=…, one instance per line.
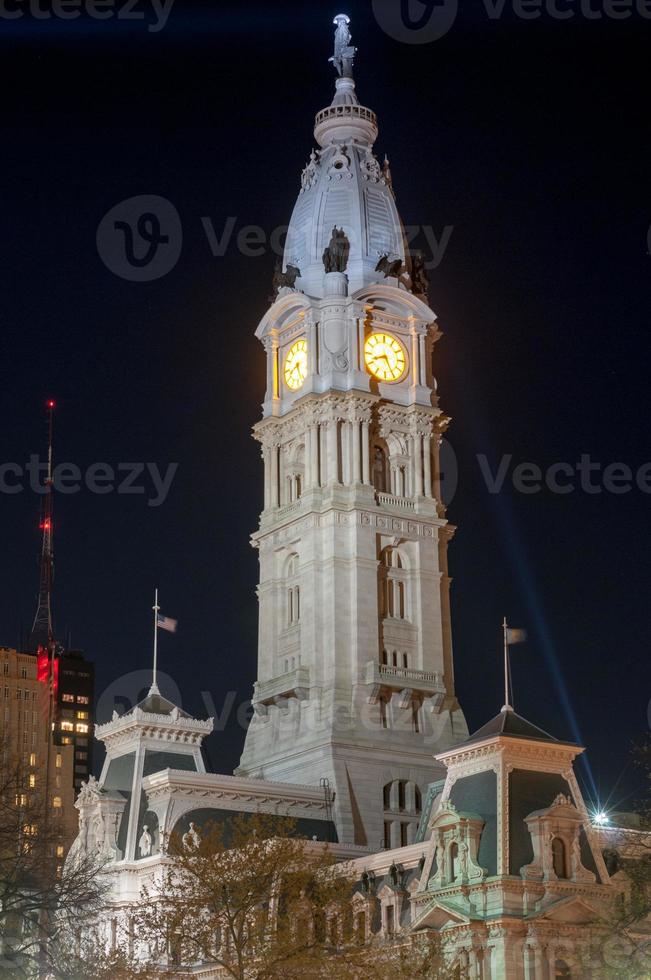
x=83, y=729
x=32, y=759
x=56, y=802
x=59, y=850
x=32, y=780
x=82, y=714
x=82, y=699
x=66, y=740
x=67, y=726
x=68, y=698
x=59, y=760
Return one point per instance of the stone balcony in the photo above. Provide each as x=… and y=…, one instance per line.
x=293, y=684
x=427, y=683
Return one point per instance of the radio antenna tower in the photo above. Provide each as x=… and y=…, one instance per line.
x=42, y=634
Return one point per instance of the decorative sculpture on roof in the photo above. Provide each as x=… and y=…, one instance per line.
x=286, y=279
x=89, y=791
x=392, y=268
x=344, y=52
x=335, y=256
x=419, y=277
x=145, y=842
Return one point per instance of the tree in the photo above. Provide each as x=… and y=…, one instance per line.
x=257, y=902
x=624, y=950
x=47, y=905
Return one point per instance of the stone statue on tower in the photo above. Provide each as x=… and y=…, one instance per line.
x=344, y=51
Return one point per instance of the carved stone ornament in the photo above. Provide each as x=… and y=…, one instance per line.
x=370, y=167
x=310, y=173
x=145, y=842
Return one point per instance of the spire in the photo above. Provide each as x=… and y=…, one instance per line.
x=42, y=633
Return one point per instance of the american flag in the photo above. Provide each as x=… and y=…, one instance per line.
x=165, y=623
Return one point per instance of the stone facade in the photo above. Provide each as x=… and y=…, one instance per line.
x=355, y=678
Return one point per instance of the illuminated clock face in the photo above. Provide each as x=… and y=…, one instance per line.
x=385, y=357
x=296, y=365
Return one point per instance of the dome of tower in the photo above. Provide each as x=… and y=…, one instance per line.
x=344, y=186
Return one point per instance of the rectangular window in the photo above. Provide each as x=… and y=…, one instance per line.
x=82, y=699
x=68, y=698
x=383, y=713
x=83, y=729
x=404, y=834
x=59, y=850
x=32, y=759
x=5, y=668
x=23, y=673
x=59, y=760
x=67, y=726
x=387, y=835
x=32, y=781
x=82, y=715
x=56, y=802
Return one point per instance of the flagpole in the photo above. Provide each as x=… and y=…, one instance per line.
x=507, y=706
x=156, y=608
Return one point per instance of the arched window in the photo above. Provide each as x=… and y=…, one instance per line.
x=402, y=786
x=293, y=591
x=380, y=469
x=454, y=861
x=559, y=857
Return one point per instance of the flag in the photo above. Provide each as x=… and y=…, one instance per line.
x=165, y=623
x=515, y=636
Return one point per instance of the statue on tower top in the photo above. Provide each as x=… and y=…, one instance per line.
x=344, y=51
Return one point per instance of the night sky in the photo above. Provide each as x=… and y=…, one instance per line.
x=530, y=138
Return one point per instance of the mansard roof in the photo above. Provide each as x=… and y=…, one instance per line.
x=512, y=725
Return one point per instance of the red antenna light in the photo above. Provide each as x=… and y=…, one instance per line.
x=51, y=403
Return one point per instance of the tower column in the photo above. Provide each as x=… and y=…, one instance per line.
x=333, y=451
x=267, y=477
x=423, y=364
x=274, y=476
x=366, y=454
x=427, y=458
x=417, y=451
x=313, y=460
x=357, y=461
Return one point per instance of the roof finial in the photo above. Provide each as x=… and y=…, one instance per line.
x=344, y=51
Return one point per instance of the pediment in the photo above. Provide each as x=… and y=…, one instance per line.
x=439, y=916
x=570, y=911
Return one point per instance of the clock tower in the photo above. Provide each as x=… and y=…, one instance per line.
x=355, y=686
